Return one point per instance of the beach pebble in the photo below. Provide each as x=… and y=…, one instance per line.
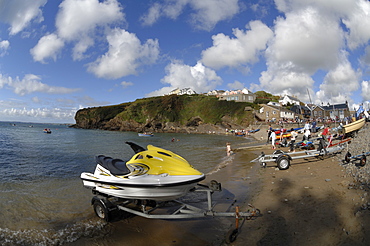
x=285, y=200
x=269, y=212
x=327, y=180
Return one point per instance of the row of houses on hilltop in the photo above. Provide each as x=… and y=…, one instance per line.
x=287, y=107
x=244, y=95
x=271, y=112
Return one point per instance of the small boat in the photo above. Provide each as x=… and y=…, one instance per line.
x=47, y=131
x=151, y=174
x=284, y=136
x=145, y=134
x=354, y=126
x=253, y=131
x=240, y=134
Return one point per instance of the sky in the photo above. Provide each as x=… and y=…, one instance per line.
x=58, y=56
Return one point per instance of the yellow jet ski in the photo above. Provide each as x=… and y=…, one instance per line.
x=151, y=174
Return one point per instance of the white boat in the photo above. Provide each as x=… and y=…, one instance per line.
x=354, y=126
x=151, y=174
x=145, y=134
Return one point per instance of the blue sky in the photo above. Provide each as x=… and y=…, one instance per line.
x=59, y=56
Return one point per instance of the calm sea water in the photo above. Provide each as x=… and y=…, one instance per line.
x=42, y=199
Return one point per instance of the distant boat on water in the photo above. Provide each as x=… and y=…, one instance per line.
x=47, y=131
x=145, y=134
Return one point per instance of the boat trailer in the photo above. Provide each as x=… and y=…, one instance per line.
x=361, y=158
x=283, y=159
x=111, y=208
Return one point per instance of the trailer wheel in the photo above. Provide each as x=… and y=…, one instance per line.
x=101, y=210
x=347, y=158
x=283, y=162
x=232, y=235
x=363, y=160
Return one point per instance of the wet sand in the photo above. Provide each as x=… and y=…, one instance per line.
x=311, y=203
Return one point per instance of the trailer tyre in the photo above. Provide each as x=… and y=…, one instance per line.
x=283, y=162
x=347, y=157
x=232, y=235
x=363, y=160
x=101, y=210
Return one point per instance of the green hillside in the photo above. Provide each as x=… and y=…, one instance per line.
x=185, y=110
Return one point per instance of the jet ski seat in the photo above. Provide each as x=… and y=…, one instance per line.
x=115, y=166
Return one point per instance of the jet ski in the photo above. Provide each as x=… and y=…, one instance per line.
x=151, y=174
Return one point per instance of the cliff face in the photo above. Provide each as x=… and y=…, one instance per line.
x=191, y=114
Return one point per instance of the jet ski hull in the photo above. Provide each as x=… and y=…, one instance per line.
x=146, y=187
x=151, y=174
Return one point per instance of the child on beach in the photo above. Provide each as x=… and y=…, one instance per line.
x=293, y=137
x=228, y=149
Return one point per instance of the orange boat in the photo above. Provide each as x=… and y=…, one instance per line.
x=284, y=136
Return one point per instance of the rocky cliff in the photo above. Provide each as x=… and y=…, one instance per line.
x=190, y=114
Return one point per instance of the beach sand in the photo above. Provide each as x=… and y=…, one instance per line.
x=311, y=203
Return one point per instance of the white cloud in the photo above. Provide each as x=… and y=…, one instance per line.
x=236, y=85
x=286, y=82
x=126, y=84
x=79, y=29
x=299, y=44
x=199, y=78
x=48, y=46
x=20, y=13
x=310, y=39
x=39, y=114
x=210, y=12
x=89, y=14
x=365, y=90
x=4, y=46
x=206, y=13
x=30, y=84
x=124, y=56
x=339, y=83
x=238, y=51
x=358, y=22
x=153, y=15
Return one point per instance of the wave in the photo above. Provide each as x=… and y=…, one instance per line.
x=87, y=228
x=227, y=160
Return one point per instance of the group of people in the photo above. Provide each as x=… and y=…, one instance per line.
x=308, y=128
x=272, y=135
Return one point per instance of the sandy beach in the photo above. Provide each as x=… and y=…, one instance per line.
x=314, y=202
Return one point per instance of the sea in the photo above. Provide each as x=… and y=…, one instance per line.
x=42, y=199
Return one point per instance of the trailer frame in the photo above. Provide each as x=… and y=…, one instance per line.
x=283, y=159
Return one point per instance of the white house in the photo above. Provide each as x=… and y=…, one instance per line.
x=288, y=100
x=185, y=91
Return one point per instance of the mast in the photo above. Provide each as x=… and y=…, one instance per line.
x=308, y=92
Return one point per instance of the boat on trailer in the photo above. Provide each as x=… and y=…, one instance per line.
x=283, y=159
x=354, y=126
x=151, y=185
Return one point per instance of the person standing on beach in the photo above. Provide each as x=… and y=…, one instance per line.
x=269, y=130
x=281, y=133
x=273, y=138
x=294, y=135
x=228, y=149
